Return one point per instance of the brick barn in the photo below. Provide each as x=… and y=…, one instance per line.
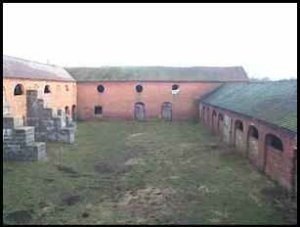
x=41, y=103
x=53, y=84
x=147, y=92
x=260, y=120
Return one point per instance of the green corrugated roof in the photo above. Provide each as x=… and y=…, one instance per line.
x=159, y=73
x=274, y=102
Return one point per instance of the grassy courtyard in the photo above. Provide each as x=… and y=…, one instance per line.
x=133, y=173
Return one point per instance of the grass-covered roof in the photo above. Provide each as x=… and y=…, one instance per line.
x=159, y=73
x=273, y=102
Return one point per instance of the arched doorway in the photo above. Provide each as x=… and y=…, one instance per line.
x=238, y=135
x=67, y=113
x=213, y=120
x=203, y=114
x=252, y=144
x=74, y=115
x=220, y=125
x=166, y=111
x=273, y=147
x=139, y=111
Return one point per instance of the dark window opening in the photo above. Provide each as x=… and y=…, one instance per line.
x=67, y=88
x=18, y=89
x=67, y=110
x=139, y=88
x=47, y=89
x=221, y=117
x=100, y=88
x=274, y=142
x=98, y=109
x=175, y=87
x=214, y=113
x=239, y=125
x=253, y=132
x=74, y=112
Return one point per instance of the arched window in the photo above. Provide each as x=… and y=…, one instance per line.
x=19, y=89
x=47, y=89
x=67, y=87
x=100, y=88
x=239, y=125
x=139, y=88
x=274, y=142
x=175, y=87
x=253, y=132
x=67, y=110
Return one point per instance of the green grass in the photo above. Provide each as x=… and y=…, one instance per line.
x=197, y=180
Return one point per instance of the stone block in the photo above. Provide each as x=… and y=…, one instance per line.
x=24, y=130
x=58, y=123
x=36, y=152
x=40, y=103
x=7, y=133
x=66, y=135
x=47, y=125
x=46, y=113
x=12, y=122
x=33, y=121
x=11, y=152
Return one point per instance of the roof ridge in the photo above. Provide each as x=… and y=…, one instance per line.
x=33, y=61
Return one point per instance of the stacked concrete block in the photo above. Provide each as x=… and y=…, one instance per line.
x=47, y=126
x=18, y=141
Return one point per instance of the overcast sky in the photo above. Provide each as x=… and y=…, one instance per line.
x=260, y=37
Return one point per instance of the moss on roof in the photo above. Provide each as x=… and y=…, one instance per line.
x=273, y=102
x=158, y=73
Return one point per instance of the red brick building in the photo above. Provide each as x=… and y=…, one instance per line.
x=147, y=92
x=54, y=85
x=260, y=120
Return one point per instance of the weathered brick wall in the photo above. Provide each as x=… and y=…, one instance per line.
x=19, y=143
x=119, y=98
x=57, y=99
x=253, y=151
x=280, y=166
x=48, y=127
x=240, y=143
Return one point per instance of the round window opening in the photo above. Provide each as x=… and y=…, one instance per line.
x=100, y=88
x=139, y=88
x=175, y=87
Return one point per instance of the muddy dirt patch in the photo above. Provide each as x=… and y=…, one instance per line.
x=66, y=169
x=148, y=203
x=70, y=200
x=114, y=166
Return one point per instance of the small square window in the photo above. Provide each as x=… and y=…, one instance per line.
x=98, y=110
